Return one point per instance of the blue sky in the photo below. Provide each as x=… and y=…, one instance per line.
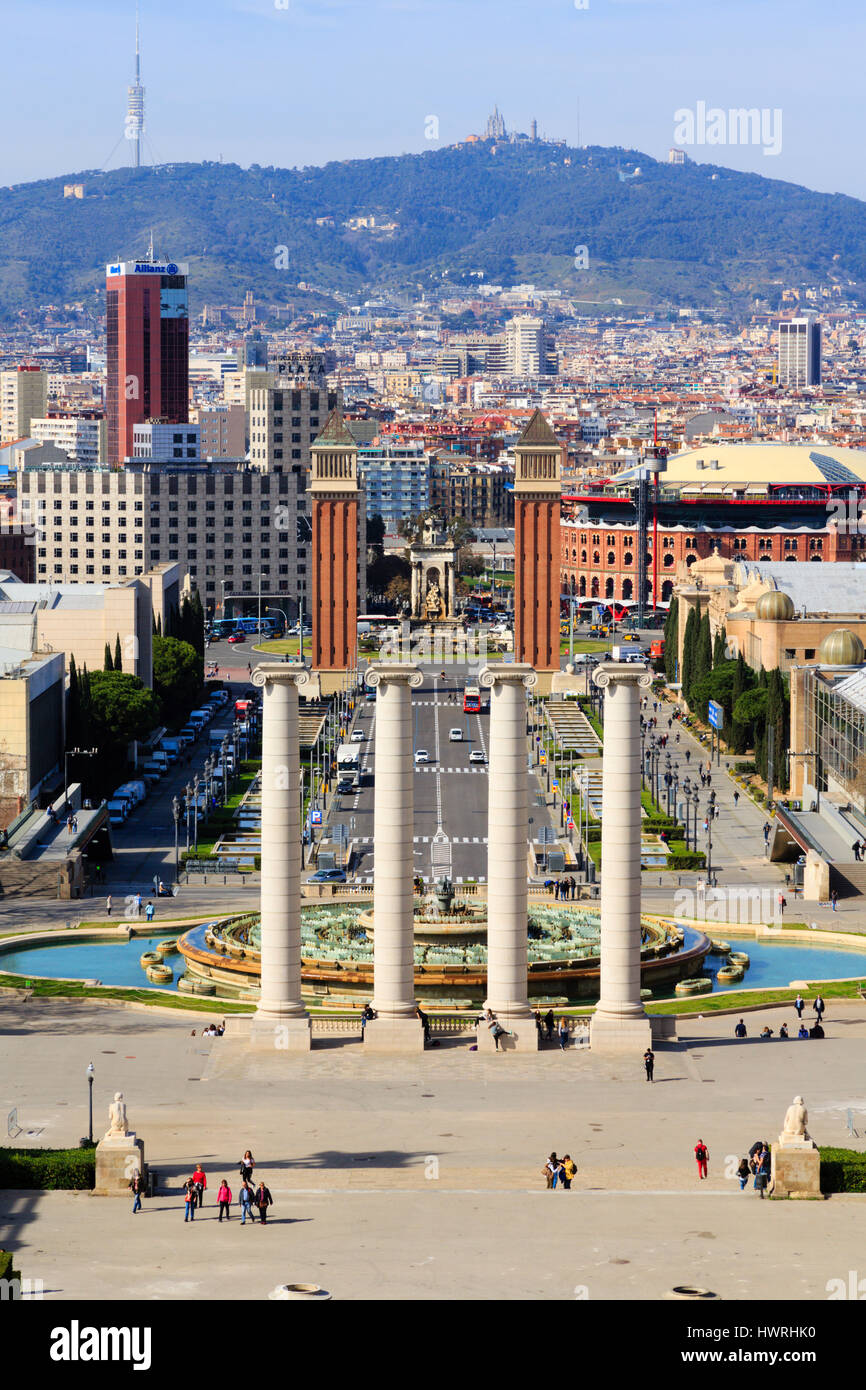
x=293, y=82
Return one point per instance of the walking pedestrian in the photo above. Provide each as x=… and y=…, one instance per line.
x=189, y=1201
x=819, y=1007
x=702, y=1157
x=263, y=1201
x=833, y=897
x=743, y=1173
x=135, y=1187
x=563, y=1033
x=649, y=1062
x=688, y=754
x=200, y=1183
x=549, y=1023
x=551, y=1172
x=245, y=1201
x=798, y=1005
x=567, y=1172
x=148, y=911
x=736, y=797
x=224, y=1197
x=108, y=906
x=246, y=1166
x=856, y=847
x=762, y=1176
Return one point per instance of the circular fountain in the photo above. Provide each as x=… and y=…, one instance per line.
x=450, y=948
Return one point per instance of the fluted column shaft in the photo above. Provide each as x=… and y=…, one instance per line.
x=621, y=841
x=393, y=866
x=507, y=832
x=281, y=845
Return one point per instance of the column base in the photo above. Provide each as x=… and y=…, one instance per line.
x=521, y=1035
x=394, y=1035
x=116, y=1161
x=610, y=1036
x=292, y=1034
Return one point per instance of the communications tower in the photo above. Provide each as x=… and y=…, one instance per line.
x=135, y=105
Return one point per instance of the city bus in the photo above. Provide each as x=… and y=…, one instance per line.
x=472, y=699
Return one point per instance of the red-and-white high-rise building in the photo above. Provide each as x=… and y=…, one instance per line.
x=147, y=319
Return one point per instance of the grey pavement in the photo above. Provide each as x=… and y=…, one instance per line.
x=419, y=1177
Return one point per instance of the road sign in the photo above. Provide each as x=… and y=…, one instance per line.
x=315, y=818
x=716, y=714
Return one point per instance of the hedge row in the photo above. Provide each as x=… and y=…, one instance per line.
x=843, y=1170
x=48, y=1169
x=7, y=1270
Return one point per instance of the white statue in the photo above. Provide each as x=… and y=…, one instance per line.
x=796, y=1119
x=117, y=1117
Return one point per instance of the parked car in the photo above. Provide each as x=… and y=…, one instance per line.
x=328, y=876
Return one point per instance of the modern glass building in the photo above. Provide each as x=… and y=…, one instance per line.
x=147, y=321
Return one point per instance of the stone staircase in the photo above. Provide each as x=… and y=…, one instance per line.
x=571, y=728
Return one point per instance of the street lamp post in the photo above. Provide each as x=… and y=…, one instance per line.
x=187, y=792
x=195, y=786
x=90, y=1075
x=695, y=803
x=175, y=811
x=224, y=750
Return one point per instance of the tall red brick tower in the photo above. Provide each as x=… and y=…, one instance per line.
x=335, y=502
x=537, y=500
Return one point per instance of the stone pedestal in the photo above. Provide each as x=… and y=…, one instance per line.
x=117, y=1160
x=795, y=1168
x=281, y=1020
x=394, y=1035
x=507, y=835
x=620, y=1023
x=397, y=1026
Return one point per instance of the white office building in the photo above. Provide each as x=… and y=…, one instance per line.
x=799, y=353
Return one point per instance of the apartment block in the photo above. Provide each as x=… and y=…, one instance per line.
x=23, y=397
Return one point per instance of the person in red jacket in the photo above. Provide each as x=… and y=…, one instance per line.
x=702, y=1155
x=200, y=1182
x=224, y=1197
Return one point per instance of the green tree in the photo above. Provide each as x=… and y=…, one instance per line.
x=108, y=660
x=118, y=655
x=743, y=678
x=123, y=708
x=720, y=647
x=177, y=673
x=375, y=532
x=671, y=633
x=703, y=658
x=778, y=717
x=689, y=637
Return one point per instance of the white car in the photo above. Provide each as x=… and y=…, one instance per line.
x=422, y=756
x=476, y=756
x=358, y=736
x=455, y=735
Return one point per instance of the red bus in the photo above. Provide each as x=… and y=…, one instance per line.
x=242, y=710
x=472, y=700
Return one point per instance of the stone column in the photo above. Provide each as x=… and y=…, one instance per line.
x=396, y=1027
x=507, y=850
x=620, y=1023
x=281, y=1017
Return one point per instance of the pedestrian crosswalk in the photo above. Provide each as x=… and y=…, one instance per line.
x=427, y=839
x=366, y=880
x=433, y=767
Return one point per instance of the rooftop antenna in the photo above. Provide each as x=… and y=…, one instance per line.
x=135, y=103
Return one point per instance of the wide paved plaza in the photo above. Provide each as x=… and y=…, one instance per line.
x=412, y=1178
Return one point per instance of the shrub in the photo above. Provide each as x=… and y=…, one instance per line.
x=48, y=1169
x=688, y=859
x=748, y=766
x=7, y=1270
x=843, y=1170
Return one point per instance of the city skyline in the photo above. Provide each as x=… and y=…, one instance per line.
x=580, y=72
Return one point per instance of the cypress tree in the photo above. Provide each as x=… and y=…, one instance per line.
x=108, y=662
x=738, y=733
x=118, y=656
x=671, y=633
x=703, y=657
x=73, y=707
x=720, y=648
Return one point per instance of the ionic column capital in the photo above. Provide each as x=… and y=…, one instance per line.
x=394, y=673
x=271, y=673
x=622, y=673
x=518, y=673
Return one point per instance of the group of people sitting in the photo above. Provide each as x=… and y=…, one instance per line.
x=816, y=1031
x=213, y=1030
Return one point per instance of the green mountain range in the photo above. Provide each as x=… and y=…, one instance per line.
x=674, y=234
